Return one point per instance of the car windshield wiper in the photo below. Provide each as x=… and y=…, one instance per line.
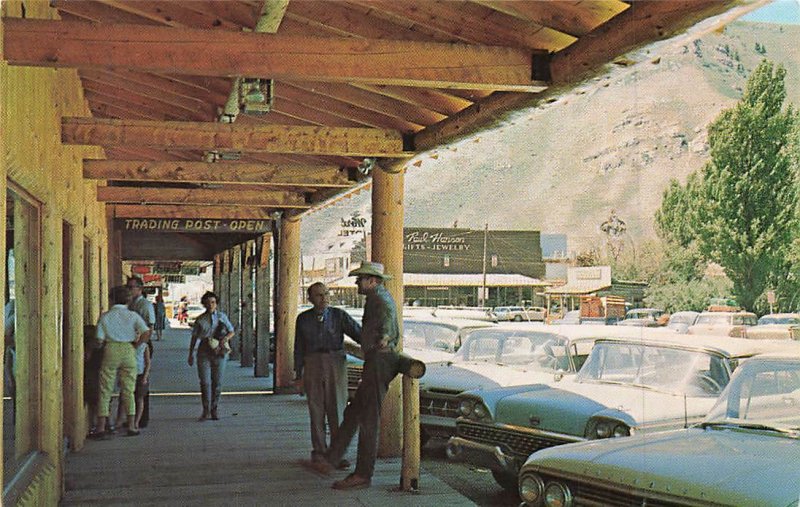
x=792, y=432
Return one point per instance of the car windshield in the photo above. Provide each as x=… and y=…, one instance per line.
x=716, y=319
x=771, y=319
x=667, y=369
x=744, y=320
x=429, y=335
x=683, y=318
x=763, y=393
x=539, y=350
x=641, y=314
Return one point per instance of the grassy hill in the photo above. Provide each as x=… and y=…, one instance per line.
x=613, y=143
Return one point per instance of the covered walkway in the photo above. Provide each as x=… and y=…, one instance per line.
x=249, y=457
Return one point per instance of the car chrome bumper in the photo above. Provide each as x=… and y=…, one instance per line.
x=438, y=426
x=482, y=455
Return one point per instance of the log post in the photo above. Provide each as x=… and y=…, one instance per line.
x=286, y=300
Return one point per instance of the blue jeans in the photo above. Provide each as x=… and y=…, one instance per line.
x=210, y=370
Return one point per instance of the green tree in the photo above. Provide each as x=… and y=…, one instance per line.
x=740, y=211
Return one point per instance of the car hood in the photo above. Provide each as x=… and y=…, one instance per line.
x=569, y=406
x=729, y=467
x=458, y=377
x=428, y=355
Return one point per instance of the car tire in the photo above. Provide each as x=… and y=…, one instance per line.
x=506, y=480
x=518, y=318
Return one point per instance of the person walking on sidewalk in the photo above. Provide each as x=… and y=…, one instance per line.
x=380, y=333
x=320, y=364
x=214, y=331
x=121, y=331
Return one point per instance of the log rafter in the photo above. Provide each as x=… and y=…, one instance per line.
x=220, y=172
x=219, y=136
x=201, y=197
x=48, y=43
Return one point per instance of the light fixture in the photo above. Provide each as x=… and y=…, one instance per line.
x=255, y=95
x=367, y=165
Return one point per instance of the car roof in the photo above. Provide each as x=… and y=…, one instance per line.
x=576, y=332
x=741, y=312
x=454, y=322
x=687, y=312
x=727, y=346
x=781, y=315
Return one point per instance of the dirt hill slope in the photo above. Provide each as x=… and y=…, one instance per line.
x=612, y=144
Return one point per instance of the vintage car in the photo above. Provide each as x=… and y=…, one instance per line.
x=776, y=326
x=745, y=452
x=506, y=355
x=723, y=323
x=536, y=313
x=428, y=339
x=680, y=321
x=642, y=317
x=510, y=313
x=570, y=318
x=465, y=312
x=658, y=382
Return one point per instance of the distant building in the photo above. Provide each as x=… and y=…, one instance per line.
x=592, y=281
x=445, y=266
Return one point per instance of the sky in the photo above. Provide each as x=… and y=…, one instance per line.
x=779, y=11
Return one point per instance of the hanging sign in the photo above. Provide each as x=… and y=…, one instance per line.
x=203, y=225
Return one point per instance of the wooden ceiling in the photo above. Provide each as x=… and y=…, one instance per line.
x=352, y=79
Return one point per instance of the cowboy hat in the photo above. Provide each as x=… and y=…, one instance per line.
x=370, y=269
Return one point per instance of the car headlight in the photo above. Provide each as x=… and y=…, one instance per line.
x=557, y=495
x=466, y=407
x=621, y=430
x=602, y=430
x=480, y=411
x=531, y=489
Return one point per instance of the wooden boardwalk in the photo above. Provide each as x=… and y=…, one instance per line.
x=249, y=457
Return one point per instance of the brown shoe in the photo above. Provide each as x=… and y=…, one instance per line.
x=343, y=465
x=352, y=481
x=322, y=467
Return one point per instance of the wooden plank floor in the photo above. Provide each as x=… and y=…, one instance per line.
x=249, y=457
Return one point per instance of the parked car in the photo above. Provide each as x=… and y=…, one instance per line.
x=680, y=321
x=465, y=312
x=723, y=323
x=572, y=317
x=776, y=326
x=657, y=382
x=509, y=313
x=506, y=355
x=642, y=317
x=745, y=452
x=536, y=313
x=425, y=338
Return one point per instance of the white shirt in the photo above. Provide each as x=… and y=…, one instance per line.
x=120, y=325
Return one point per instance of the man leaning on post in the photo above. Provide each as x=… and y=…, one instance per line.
x=320, y=365
x=379, y=338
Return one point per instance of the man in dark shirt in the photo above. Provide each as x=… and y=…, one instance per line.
x=320, y=365
x=379, y=337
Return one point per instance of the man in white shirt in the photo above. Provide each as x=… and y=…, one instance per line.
x=120, y=331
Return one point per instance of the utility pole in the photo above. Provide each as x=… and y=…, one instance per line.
x=482, y=297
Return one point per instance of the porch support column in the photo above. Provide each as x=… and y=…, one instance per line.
x=400, y=414
x=235, y=301
x=248, y=278
x=217, y=274
x=262, y=306
x=287, y=300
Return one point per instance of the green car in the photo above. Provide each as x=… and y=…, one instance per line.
x=745, y=452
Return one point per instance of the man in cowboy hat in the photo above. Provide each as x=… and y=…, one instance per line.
x=379, y=336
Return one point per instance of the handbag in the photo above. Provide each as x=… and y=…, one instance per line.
x=214, y=342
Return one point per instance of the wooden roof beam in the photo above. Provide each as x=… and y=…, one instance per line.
x=207, y=212
x=359, y=142
x=201, y=196
x=47, y=43
x=218, y=172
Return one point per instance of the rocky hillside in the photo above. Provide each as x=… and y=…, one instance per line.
x=613, y=143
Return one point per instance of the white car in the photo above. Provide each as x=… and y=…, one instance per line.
x=776, y=326
x=510, y=313
x=192, y=312
x=680, y=321
x=506, y=355
x=723, y=323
